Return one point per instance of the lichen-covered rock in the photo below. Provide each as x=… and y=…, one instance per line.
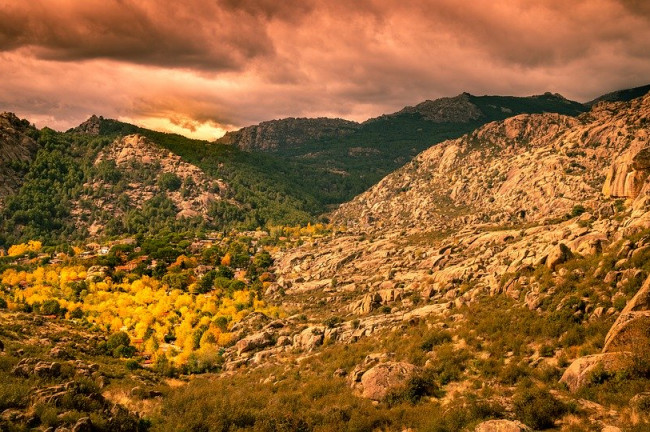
x=632, y=327
x=378, y=381
x=501, y=426
x=254, y=342
x=309, y=338
x=579, y=373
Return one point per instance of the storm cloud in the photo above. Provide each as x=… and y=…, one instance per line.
x=203, y=67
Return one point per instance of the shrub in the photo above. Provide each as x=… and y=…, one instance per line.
x=418, y=386
x=124, y=351
x=132, y=365
x=513, y=373
x=119, y=345
x=50, y=307
x=117, y=339
x=14, y=394
x=577, y=210
x=434, y=338
x=546, y=350
x=169, y=182
x=332, y=322
x=536, y=407
x=76, y=313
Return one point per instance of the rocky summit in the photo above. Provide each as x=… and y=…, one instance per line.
x=289, y=133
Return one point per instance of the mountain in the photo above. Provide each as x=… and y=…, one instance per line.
x=287, y=133
x=286, y=171
x=108, y=178
x=342, y=159
x=500, y=280
x=621, y=95
x=466, y=108
x=522, y=246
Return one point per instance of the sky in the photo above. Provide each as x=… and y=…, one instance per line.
x=200, y=68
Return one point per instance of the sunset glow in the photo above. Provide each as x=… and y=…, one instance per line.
x=200, y=68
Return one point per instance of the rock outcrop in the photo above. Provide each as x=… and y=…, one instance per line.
x=582, y=370
x=254, y=342
x=632, y=327
x=136, y=153
x=92, y=126
x=378, y=381
x=17, y=147
x=502, y=426
x=289, y=133
x=627, y=176
x=457, y=109
x=627, y=339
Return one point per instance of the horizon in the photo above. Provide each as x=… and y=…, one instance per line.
x=212, y=138
x=250, y=61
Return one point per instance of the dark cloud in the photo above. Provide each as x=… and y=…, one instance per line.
x=188, y=34
x=200, y=66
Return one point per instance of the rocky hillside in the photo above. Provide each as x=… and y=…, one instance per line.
x=528, y=168
x=522, y=246
x=17, y=150
x=57, y=186
x=133, y=170
x=499, y=281
x=338, y=160
x=289, y=133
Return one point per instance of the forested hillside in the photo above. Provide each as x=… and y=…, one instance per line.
x=346, y=161
x=72, y=187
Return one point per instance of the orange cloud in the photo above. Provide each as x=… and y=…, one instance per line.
x=203, y=67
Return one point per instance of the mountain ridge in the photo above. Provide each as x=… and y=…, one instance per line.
x=623, y=95
x=280, y=186
x=457, y=109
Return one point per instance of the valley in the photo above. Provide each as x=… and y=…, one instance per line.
x=471, y=263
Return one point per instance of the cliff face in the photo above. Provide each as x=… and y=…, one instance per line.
x=287, y=133
x=17, y=150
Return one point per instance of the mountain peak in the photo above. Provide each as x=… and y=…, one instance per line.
x=91, y=126
x=287, y=133
x=458, y=109
x=552, y=95
x=10, y=119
